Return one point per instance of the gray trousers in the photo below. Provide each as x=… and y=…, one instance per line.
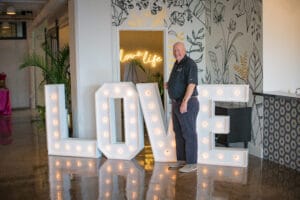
x=184, y=126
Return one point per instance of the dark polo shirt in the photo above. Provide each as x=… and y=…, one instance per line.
x=183, y=73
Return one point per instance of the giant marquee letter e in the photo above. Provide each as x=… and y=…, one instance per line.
x=208, y=124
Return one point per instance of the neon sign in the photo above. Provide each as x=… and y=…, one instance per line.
x=145, y=56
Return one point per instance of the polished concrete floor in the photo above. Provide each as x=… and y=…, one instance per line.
x=27, y=172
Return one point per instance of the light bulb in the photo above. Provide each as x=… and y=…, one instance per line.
x=204, y=124
x=54, y=110
x=204, y=93
x=237, y=92
x=220, y=92
x=148, y=93
x=54, y=96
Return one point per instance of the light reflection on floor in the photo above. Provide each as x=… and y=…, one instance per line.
x=120, y=179
x=27, y=172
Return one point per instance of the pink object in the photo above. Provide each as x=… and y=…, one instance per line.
x=5, y=107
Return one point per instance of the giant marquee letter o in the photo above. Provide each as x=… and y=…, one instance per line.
x=106, y=133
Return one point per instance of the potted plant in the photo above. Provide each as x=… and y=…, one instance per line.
x=55, y=68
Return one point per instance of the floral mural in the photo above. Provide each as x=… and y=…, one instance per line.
x=224, y=37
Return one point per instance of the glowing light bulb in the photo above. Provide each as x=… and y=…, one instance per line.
x=68, y=163
x=132, y=120
x=154, y=118
x=167, y=152
x=236, y=157
x=204, y=93
x=237, y=92
x=220, y=172
x=54, y=96
x=132, y=148
x=54, y=110
x=120, y=151
x=173, y=177
x=205, y=140
x=107, y=194
x=90, y=149
x=90, y=164
x=160, y=144
x=220, y=156
x=104, y=106
x=148, y=93
x=131, y=170
x=67, y=147
x=220, y=92
x=107, y=181
x=58, y=176
x=173, y=143
x=129, y=93
x=56, y=146
x=57, y=163
x=236, y=173
x=105, y=134
x=106, y=93
x=117, y=90
x=204, y=185
x=205, y=155
x=105, y=120
x=151, y=106
x=204, y=108
x=219, y=125
x=133, y=135
x=108, y=147
x=79, y=164
x=108, y=168
x=133, y=195
x=157, y=131
x=56, y=134
x=132, y=106
x=204, y=124
x=78, y=148
x=120, y=166
x=204, y=170
x=55, y=122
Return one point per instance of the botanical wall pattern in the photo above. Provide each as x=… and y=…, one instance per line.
x=222, y=36
x=234, y=54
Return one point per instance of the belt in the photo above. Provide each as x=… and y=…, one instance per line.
x=180, y=100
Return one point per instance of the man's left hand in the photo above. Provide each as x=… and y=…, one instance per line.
x=183, y=107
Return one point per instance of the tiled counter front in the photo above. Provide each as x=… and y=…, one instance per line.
x=281, y=141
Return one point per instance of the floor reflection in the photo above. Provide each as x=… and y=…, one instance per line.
x=27, y=172
x=5, y=130
x=121, y=179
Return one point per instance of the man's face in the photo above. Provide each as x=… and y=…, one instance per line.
x=179, y=52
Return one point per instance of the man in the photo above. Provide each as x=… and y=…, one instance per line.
x=185, y=107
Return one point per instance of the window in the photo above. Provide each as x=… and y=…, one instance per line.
x=12, y=30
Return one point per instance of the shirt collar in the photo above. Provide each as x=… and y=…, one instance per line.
x=182, y=60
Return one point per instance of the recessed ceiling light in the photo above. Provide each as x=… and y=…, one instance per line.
x=11, y=10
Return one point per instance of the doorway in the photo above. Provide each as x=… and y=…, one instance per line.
x=142, y=59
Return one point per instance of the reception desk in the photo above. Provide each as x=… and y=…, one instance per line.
x=281, y=136
x=5, y=107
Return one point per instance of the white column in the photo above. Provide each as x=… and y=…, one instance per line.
x=91, y=60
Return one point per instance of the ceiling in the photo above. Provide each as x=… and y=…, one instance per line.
x=30, y=9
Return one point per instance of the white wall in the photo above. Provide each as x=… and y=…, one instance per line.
x=17, y=81
x=281, y=45
x=91, y=60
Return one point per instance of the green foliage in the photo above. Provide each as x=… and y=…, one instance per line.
x=55, y=67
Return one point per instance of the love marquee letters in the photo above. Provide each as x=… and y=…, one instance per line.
x=145, y=97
